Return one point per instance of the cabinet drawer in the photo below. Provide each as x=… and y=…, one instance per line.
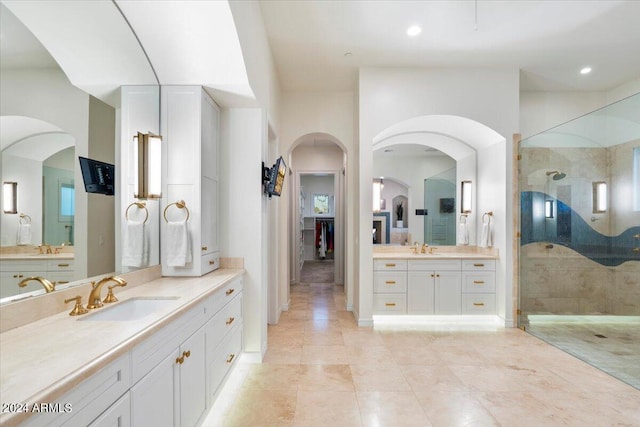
x=209, y=262
x=226, y=356
x=60, y=265
x=389, y=304
x=389, y=282
x=478, y=282
x=478, y=303
x=222, y=296
x=23, y=265
x=389, y=264
x=479, y=264
x=434, y=265
x=223, y=322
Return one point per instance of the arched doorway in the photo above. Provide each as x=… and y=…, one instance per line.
x=318, y=162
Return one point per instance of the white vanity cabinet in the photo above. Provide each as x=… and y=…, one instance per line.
x=190, y=132
x=479, y=286
x=13, y=271
x=390, y=286
x=434, y=287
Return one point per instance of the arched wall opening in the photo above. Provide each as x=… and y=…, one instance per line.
x=318, y=154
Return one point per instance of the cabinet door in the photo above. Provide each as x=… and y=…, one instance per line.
x=209, y=216
x=420, y=295
x=447, y=292
x=193, y=400
x=118, y=414
x=152, y=398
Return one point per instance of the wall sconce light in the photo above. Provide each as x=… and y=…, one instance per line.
x=599, y=197
x=378, y=185
x=465, y=193
x=548, y=208
x=147, y=160
x=10, y=197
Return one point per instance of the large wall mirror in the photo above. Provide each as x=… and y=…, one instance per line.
x=47, y=122
x=418, y=191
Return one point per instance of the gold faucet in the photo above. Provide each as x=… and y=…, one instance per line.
x=48, y=286
x=424, y=248
x=414, y=248
x=94, y=296
x=431, y=249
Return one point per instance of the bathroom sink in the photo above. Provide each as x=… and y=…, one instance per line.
x=131, y=309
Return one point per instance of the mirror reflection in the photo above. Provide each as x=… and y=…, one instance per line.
x=59, y=232
x=417, y=188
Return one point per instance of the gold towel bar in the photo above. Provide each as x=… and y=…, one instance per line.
x=140, y=205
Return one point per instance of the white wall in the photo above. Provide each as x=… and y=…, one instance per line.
x=241, y=214
x=46, y=94
x=311, y=185
x=488, y=96
x=28, y=174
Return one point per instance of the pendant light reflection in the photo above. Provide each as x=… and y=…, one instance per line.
x=10, y=197
x=147, y=161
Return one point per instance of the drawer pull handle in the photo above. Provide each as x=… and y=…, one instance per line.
x=390, y=282
x=231, y=357
x=62, y=282
x=433, y=275
x=389, y=265
x=212, y=262
x=186, y=353
x=390, y=304
x=180, y=360
x=63, y=265
x=230, y=321
x=229, y=291
x=15, y=276
x=204, y=248
x=478, y=304
x=478, y=282
x=478, y=265
x=437, y=275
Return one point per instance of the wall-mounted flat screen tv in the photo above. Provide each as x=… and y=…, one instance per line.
x=98, y=176
x=276, y=177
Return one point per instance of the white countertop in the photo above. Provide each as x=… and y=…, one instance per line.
x=39, y=257
x=440, y=252
x=43, y=360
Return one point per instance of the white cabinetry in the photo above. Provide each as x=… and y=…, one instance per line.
x=434, y=286
x=190, y=131
x=13, y=271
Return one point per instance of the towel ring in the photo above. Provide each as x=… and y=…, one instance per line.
x=25, y=217
x=140, y=205
x=488, y=215
x=180, y=204
x=463, y=216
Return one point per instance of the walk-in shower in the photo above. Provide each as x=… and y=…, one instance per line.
x=579, y=260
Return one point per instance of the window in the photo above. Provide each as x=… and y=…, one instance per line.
x=320, y=204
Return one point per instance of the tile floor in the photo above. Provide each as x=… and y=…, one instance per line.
x=610, y=343
x=323, y=370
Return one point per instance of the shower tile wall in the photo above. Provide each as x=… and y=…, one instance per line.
x=561, y=280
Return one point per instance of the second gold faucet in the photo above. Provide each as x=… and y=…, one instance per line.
x=94, y=296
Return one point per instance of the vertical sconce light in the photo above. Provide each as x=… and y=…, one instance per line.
x=465, y=196
x=377, y=194
x=147, y=160
x=599, y=197
x=10, y=197
x=548, y=208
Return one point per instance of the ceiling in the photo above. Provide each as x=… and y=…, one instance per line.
x=549, y=41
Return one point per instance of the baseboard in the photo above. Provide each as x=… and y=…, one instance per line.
x=365, y=322
x=251, y=357
x=349, y=307
x=285, y=306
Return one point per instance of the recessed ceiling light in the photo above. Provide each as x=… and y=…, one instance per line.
x=585, y=70
x=414, y=30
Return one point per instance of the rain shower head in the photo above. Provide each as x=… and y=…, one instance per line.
x=557, y=175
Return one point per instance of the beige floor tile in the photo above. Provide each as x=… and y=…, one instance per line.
x=455, y=409
x=379, y=378
x=323, y=338
x=256, y=407
x=362, y=338
x=324, y=354
x=327, y=408
x=415, y=355
x=284, y=355
x=434, y=378
x=326, y=378
x=391, y=409
x=370, y=355
x=323, y=325
x=273, y=377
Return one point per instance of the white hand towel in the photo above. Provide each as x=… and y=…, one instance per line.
x=463, y=234
x=133, y=245
x=485, y=238
x=178, y=244
x=24, y=234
